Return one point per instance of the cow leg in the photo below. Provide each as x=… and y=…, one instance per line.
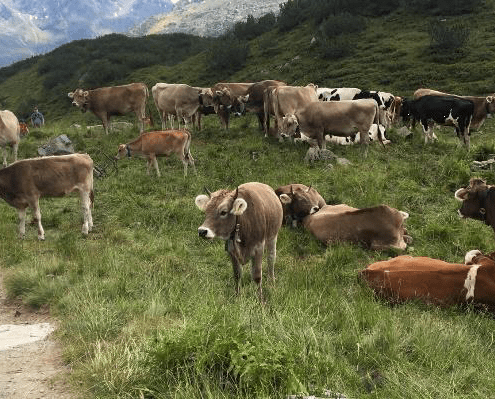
x=35, y=206
x=104, y=120
x=322, y=143
x=271, y=256
x=5, y=156
x=14, y=150
x=155, y=164
x=256, y=270
x=237, y=269
x=190, y=160
x=22, y=222
x=86, y=210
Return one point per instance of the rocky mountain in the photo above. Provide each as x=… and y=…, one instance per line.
x=28, y=28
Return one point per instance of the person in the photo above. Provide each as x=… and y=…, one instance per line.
x=37, y=119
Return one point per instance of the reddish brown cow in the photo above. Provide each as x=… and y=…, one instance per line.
x=117, y=100
x=24, y=182
x=159, y=143
x=9, y=134
x=378, y=228
x=249, y=219
x=24, y=130
x=299, y=201
x=434, y=281
x=483, y=106
x=478, y=201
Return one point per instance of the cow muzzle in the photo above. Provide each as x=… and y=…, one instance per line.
x=204, y=232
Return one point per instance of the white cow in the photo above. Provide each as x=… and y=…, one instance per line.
x=10, y=134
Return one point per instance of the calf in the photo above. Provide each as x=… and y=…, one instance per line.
x=377, y=228
x=299, y=201
x=248, y=219
x=434, y=281
x=9, y=134
x=24, y=129
x=444, y=110
x=24, y=182
x=478, y=201
x=159, y=143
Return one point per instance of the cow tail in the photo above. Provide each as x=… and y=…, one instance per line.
x=187, y=145
x=377, y=120
x=266, y=109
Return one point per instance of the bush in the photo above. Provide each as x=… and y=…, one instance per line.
x=227, y=56
x=447, y=39
x=443, y=7
x=336, y=25
x=291, y=15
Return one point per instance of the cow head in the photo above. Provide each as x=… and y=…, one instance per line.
x=80, y=98
x=300, y=202
x=222, y=209
x=24, y=130
x=290, y=125
x=225, y=98
x=474, y=200
x=206, y=97
x=490, y=104
x=405, y=109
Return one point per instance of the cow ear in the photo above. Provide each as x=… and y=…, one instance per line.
x=285, y=199
x=489, y=99
x=86, y=93
x=239, y=207
x=71, y=95
x=201, y=201
x=461, y=194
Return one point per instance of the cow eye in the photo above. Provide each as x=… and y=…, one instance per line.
x=223, y=213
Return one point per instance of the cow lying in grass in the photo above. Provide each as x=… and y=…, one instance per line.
x=299, y=200
x=24, y=182
x=160, y=143
x=248, y=219
x=434, y=281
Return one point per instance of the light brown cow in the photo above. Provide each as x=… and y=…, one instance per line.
x=117, y=100
x=284, y=100
x=228, y=98
x=9, y=134
x=483, y=106
x=256, y=99
x=176, y=100
x=299, y=201
x=249, y=219
x=376, y=228
x=25, y=181
x=434, y=281
x=338, y=118
x=159, y=143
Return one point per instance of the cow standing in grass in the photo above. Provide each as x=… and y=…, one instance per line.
x=159, y=143
x=10, y=134
x=24, y=182
x=248, y=219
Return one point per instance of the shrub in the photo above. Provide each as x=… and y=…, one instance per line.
x=447, y=39
x=443, y=7
x=227, y=55
x=342, y=23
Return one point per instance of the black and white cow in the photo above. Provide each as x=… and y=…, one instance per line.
x=444, y=110
x=337, y=94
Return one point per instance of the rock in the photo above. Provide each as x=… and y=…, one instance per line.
x=60, y=145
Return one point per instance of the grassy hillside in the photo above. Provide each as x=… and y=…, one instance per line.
x=147, y=308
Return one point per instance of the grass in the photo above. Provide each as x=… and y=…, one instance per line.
x=147, y=309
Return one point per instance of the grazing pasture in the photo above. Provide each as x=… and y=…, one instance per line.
x=147, y=308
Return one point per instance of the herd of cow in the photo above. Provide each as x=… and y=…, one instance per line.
x=249, y=217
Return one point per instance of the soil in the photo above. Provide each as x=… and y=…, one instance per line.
x=32, y=370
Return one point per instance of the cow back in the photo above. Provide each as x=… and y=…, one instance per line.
x=118, y=100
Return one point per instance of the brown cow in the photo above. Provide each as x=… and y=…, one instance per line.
x=434, y=281
x=10, y=134
x=117, y=100
x=24, y=182
x=249, y=219
x=339, y=118
x=23, y=127
x=283, y=100
x=227, y=98
x=176, y=100
x=380, y=227
x=256, y=98
x=299, y=201
x=483, y=106
x=159, y=143
x=478, y=201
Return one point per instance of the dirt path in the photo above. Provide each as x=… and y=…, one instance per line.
x=29, y=370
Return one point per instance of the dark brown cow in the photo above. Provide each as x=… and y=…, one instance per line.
x=434, y=281
x=478, y=201
x=117, y=100
x=256, y=98
x=377, y=228
x=483, y=106
x=299, y=201
x=339, y=118
x=159, y=143
x=249, y=219
x=227, y=98
x=24, y=182
x=10, y=134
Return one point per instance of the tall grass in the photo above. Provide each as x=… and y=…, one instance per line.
x=147, y=309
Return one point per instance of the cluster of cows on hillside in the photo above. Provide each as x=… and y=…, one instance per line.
x=249, y=217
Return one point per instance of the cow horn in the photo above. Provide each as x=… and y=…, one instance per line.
x=236, y=192
x=208, y=192
x=309, y=188
x=291, y=190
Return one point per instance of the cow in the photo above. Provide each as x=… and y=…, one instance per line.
x=483, y=106
x=227, y=98
x=337, y=94
x=248, y=219
x=478, y=201
x=24, y=182
x=298, y=201
x=377, y=228
x=349, y=140
x=159, y=143
x=284, y=100
x=23, y=128
x=339, y=118
x=444, y=110
x=176, y=100
x=256, y=97
x=434, y=281
x=10, y=134
x=105, y=102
